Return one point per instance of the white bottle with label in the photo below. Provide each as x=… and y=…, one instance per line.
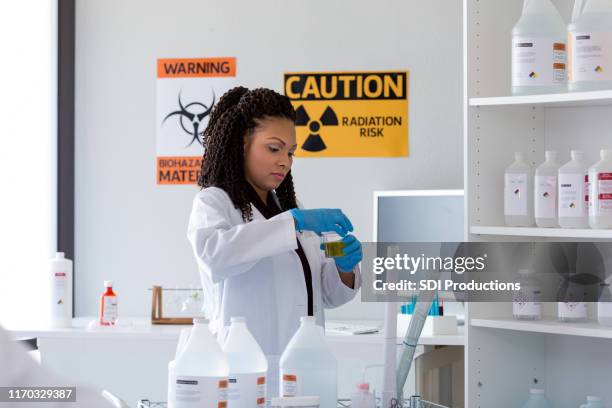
x=572, y=311
x=539, y=50
x=527, y=302
x=199, y=375
x=590, y=46
x=308, y=367
x=545, y=196
x=518, y=193
x=60, y=291
x=604, y=306
x=573, y=192
x=248, y=367
x=600, y=192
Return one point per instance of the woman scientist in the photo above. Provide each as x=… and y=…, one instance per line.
x=259, y=255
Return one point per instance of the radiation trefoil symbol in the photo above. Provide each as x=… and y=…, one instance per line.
x=314, y=141
x=195, y=113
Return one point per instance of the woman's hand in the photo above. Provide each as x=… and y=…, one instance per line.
x=352, y=254
x=322, y=220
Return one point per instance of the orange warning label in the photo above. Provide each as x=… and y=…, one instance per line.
x=178, y=170
x=196, y=67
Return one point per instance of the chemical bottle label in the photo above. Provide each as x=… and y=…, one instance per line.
x=546, y=196
x=538, y=61
x=527, y=301
x=577, y=310
x=110, y=309
x=249, y=388
x=590, y=56
x=572, y=195
x=191, y=391
x=515, y=197
x=289, y=385
x=604, y=193
x=60, y=295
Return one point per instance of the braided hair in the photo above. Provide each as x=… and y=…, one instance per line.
x=232, y=118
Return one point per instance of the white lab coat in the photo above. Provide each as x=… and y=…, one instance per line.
x=18, y=369
x=252, y=270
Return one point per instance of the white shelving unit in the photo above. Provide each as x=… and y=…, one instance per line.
x=504, y=357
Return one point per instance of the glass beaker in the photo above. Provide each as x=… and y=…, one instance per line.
x=332, y=244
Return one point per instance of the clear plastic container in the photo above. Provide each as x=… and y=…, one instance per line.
x=537, y=399
x=593, y=402
x=539, y=50
x=199, y=375
x=526, y=303
x=295, y=402
x=604, y=306
x=248, y=367
x=545, y=195
x=573, y=194
x=308, y=367
x=518, y=193
x=600, y=191
x=590, y=45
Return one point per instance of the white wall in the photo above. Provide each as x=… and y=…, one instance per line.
x=133, y=231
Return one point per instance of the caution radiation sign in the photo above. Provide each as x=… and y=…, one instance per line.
x=350, y=114
x=187, y=91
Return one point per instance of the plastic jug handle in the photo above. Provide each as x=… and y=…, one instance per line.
x=578, y=8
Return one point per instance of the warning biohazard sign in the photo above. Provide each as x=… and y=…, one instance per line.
x=187, y=91
x=350, y=114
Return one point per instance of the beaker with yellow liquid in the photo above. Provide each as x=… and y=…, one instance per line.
x=332, y=244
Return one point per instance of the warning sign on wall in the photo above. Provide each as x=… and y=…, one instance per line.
x=350, y=114
x=187, y=91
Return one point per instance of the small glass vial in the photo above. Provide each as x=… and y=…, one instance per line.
x=108, y=305
x=332, y=244
x=527, y=302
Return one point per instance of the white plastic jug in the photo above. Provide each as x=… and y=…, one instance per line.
x=600, y=192
x=537, y=399
x=545, y=194
x=248, y=367
x=308, y=367
x=518, y=193
x=199, y=375
x=573, y=192
x=539, y=50
x=590, y=46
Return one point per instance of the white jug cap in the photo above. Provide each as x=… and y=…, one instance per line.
x=307, y=319
x=313, y=401
x=108, y=283
x=238, y=319
x=550, y=154
x=61, y=255
x=604, y=153
x=576, y=153
x=536, y=391
x=519, y=156
x=592, y=398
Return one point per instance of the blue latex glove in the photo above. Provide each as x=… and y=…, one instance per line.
x=352, y=254
x=322, y=220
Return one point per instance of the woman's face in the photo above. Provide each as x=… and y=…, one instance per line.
x=269, y=150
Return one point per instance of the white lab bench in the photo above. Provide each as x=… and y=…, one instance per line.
x=132, y=361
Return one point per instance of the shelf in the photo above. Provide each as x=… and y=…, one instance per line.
x=569, y=99
x=542, y=232
x=548, y=325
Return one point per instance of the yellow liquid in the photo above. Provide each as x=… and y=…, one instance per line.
x=333, y=249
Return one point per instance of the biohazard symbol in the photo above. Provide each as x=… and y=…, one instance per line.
x=190, y=112
x=314, y=141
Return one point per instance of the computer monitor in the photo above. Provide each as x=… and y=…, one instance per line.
x=419, y=216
